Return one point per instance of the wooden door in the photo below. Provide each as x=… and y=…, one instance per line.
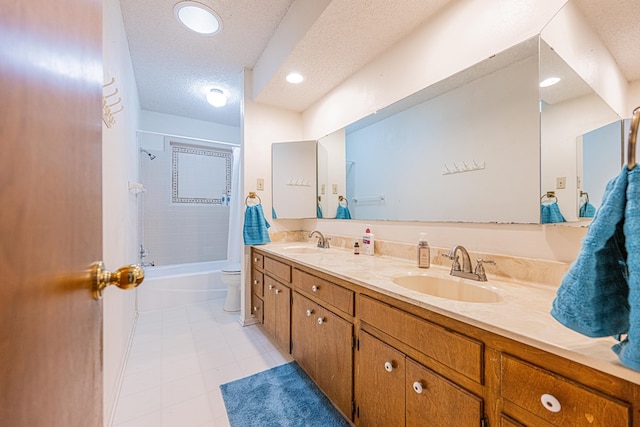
x=277, y=311
x=50, y=212
x=380, y=378
x=334, y=363
x=303, y=321
x=432, y=398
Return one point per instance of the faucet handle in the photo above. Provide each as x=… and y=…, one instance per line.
x=479, y=270
x=456, y=264
x=326, y=242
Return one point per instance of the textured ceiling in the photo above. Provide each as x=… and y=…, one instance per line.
x=174, y=67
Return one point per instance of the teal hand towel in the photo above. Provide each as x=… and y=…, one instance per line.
x=587, y=210
x=592, y=297
x=550, y=213
x=255, y=226
x=319, y=212
x=343, y=212
x=629, y=350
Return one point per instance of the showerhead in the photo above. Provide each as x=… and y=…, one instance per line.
x=151, y=156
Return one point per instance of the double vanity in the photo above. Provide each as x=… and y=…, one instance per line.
x=391, y=344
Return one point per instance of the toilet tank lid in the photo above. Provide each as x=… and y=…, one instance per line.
x=231, y=268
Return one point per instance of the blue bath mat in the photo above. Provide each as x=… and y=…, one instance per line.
x=280, y=397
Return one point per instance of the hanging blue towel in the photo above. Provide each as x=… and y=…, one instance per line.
x=255, y=226
x=273, y=213
x=592, y=297
x=587, y=210
x=629, y=350
x=550, y=213
x=343, y=212
x=319, y=211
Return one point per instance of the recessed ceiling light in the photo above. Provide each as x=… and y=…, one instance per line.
x=549, y=82
x=217, y=98
x=198, y=17
x=295, y=78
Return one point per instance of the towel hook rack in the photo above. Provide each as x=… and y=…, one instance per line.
x=252, y=195
x=633, y=135
x=343, y=199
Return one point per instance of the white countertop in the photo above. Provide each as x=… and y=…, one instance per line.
x=522, y=314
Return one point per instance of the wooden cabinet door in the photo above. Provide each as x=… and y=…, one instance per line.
x=304, y=313
x=434, y=401
x=380, y=379
x=277, y=311
x=334, y=363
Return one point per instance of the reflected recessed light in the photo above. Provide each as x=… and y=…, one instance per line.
x=295, y=78
x=217, y=98
x=549, y=82
x=198, y=17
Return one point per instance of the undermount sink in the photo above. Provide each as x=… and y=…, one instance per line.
x=449, y=288
x=301, y=249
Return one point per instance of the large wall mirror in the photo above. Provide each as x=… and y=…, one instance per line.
x=481, y=146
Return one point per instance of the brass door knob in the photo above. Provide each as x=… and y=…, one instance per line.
x=127, y=277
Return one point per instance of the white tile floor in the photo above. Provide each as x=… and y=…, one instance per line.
x=179, y=358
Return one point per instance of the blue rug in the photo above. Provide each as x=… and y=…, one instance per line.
x=283, y=396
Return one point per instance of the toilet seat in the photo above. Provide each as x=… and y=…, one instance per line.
x=231, y=269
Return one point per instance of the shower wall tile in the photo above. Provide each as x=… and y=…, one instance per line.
x=178, y=233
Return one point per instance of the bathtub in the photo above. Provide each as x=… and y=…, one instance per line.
x=174, y=285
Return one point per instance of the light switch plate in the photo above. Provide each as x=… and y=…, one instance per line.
x=334, y=188
x=561, y=182
x=260, y=184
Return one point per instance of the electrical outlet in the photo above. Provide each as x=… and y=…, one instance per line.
x=561, y=182
x=323, y=189
x=334, y=188
x=260, y=184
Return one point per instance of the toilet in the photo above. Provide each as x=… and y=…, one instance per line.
x=231, y=278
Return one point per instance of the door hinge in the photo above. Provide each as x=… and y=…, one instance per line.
x=353, y=408
x=353, y=341
x=290, y=347
x=484, y=421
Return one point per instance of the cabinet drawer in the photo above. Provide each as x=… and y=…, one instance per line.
x=278, y=269
x=456, y=351
x=257, y=260
x=541, y=392
x=257, y=280
x=257, y=310
x=335, y=295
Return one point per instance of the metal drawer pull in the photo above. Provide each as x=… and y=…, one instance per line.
x=314, y=288
x=277, y=291
x=255, y=309
x=309, y=313
x=255, y=260
x=320, y=320
x=388, y=366
x=550, y=403
x=255, y=282
x=270, y=287
x=417, y=387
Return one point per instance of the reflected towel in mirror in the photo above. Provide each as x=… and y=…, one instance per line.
x=550, y=213
x=343, y=212
x=587, y=210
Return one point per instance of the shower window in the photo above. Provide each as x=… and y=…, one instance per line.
x=200, y=175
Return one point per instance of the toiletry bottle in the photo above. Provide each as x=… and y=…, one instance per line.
x=356, y=248
x=424, y=252
x=368, y=241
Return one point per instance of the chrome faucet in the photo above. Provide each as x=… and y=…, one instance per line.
x=464, y=270
x=323, y=242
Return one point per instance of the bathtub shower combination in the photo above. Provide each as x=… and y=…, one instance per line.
x=187, y=215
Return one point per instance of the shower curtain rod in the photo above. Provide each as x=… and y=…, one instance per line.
x=233, y=144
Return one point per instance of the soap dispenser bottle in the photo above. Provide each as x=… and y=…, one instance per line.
x=424, y=252
x=368, y=241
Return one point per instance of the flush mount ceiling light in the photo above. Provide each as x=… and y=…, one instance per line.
x=217, y=98
x=295, y=78
x=198, y=17
x=549, y=82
